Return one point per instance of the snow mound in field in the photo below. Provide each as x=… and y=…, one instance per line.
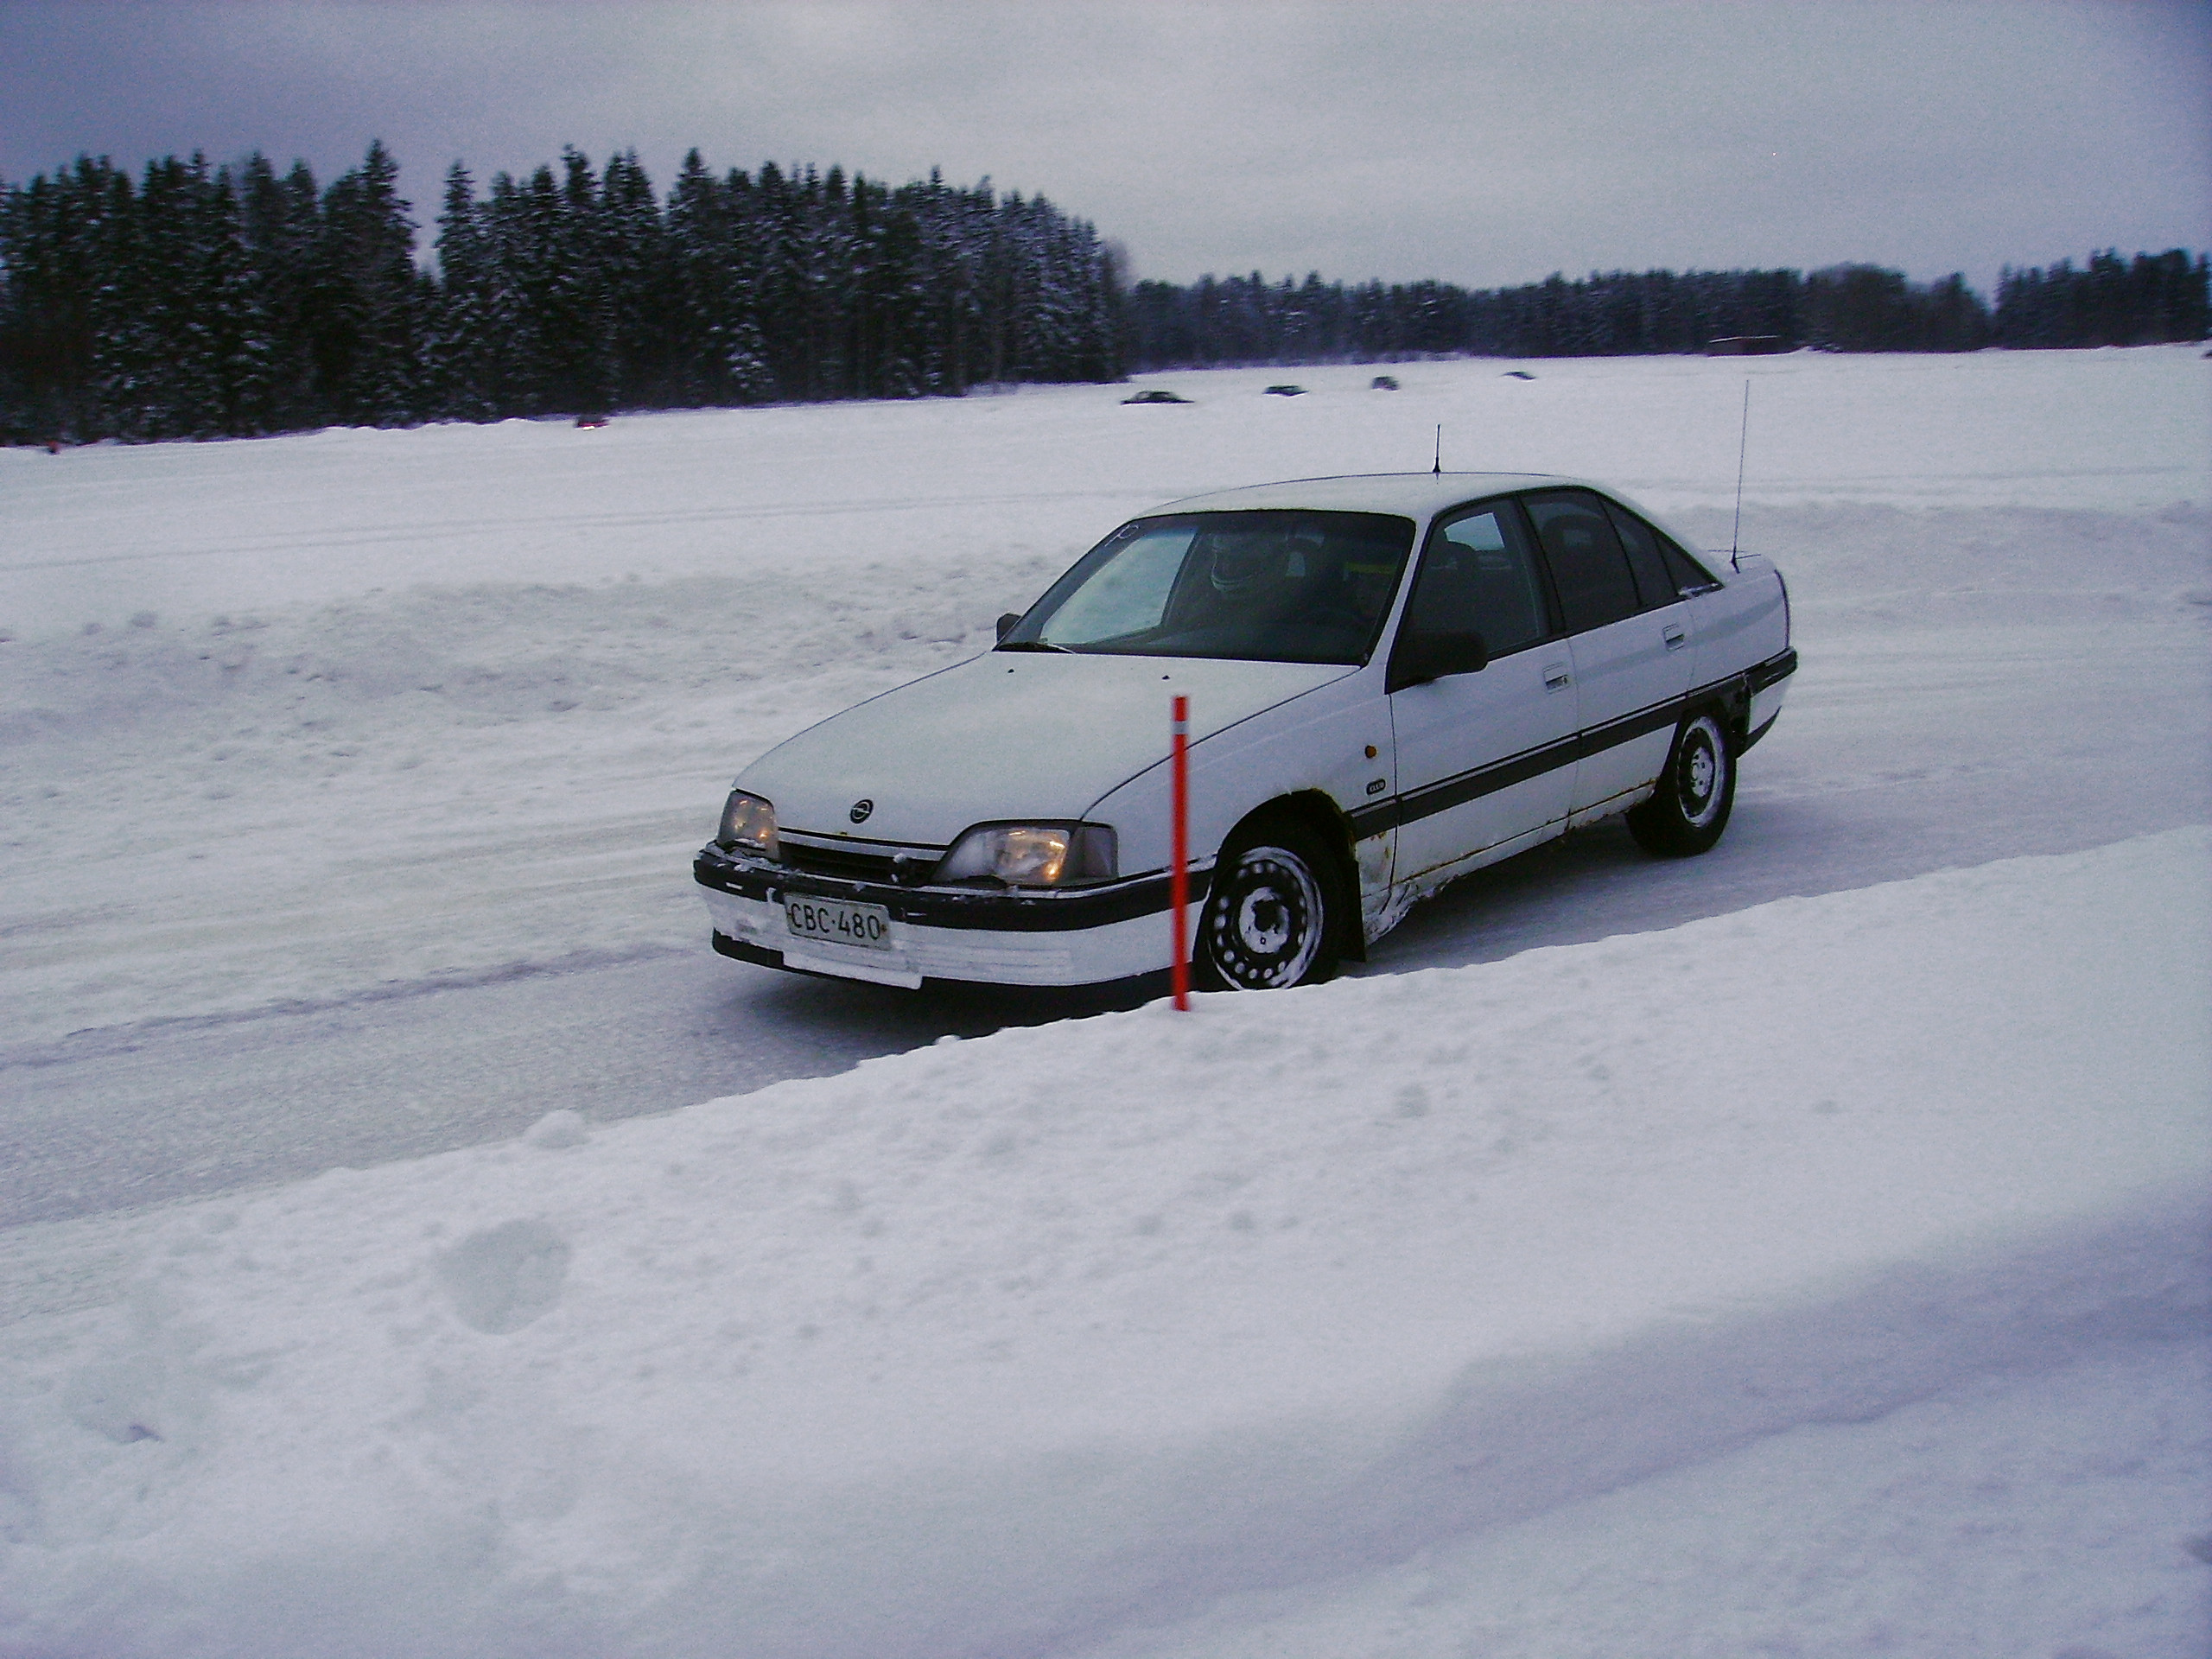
x=1048, y=1340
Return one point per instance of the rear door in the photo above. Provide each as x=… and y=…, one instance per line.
x=1631, y=648
x=1487, y=757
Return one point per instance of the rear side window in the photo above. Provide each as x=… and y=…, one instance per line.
x=1479, y=577
x=1589, y=568
x=1652, y=580
x=1690, y=575
x=1663, y=571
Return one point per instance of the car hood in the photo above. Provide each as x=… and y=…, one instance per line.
x=1008, y=735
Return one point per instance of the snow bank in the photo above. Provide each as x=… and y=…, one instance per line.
x=1042, y=1341
x=2057, y=1513
x=206, y=815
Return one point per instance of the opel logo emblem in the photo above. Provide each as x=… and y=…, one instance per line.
x=861, y=810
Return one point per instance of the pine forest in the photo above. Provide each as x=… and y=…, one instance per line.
x=200, y=300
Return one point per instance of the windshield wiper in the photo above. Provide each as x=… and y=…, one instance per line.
x=1028, y=645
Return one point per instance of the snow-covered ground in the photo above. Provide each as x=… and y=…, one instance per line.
x=1826, y=1275
x=1839, y=1263
x=290, y=718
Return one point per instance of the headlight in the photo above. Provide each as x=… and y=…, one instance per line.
x=1031, y=855
x=749, y=822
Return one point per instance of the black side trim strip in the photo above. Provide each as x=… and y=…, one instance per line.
x=1772, y=671
x=1447, y=793
x=1367, y=821
x=1660, y=715
x=997, y=912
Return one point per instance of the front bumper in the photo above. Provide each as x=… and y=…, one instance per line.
x=1078, y=936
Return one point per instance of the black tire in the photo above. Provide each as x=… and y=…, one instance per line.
x=1687, y=813
x=1270, y=919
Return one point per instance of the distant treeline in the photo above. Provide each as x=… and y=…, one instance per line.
x=2111, y=302
x=196, y=301
x=200, y=301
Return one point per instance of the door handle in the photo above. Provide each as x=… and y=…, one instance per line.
x=1556, y=678
x=1674, y=637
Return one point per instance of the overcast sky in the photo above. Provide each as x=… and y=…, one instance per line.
x=1482, y=144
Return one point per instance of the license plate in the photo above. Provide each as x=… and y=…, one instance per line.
x=836, y=922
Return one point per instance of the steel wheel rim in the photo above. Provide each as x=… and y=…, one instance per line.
x=1266, y=931
x=1699, y=771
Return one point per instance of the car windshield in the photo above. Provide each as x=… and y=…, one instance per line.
x=1281, y=587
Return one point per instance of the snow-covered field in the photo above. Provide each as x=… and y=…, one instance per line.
x=288, y=718
x=1811, y=1274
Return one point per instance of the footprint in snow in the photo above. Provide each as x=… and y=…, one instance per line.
x=504, y=1277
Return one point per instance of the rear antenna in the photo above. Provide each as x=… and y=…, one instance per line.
x=1743, y=446
x=1438, y=468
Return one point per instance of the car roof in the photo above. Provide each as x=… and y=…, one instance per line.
x=1416, y=495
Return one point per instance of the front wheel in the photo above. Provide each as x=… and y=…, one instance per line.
x=1268, y=922
x=1687, y=812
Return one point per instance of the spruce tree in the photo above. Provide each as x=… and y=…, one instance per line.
x=370, y=305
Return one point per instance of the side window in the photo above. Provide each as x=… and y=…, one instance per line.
x=1478, y=577
x=1652, y=580
x=1687, y=571
x=1588, y=566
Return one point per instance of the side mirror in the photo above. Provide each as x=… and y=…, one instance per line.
x=1007, y=622
x=1421, y=657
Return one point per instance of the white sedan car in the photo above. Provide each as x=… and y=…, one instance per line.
x=1392, y=680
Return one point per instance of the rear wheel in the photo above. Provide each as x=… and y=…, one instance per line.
x=1267, y=921
x=1687, y=812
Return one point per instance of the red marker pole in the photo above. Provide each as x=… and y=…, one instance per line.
x=1179, y=875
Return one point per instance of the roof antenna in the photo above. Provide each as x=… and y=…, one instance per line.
x=1743, y=445
x=1438, y=468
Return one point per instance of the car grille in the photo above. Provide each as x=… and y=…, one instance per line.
x=870, y=863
